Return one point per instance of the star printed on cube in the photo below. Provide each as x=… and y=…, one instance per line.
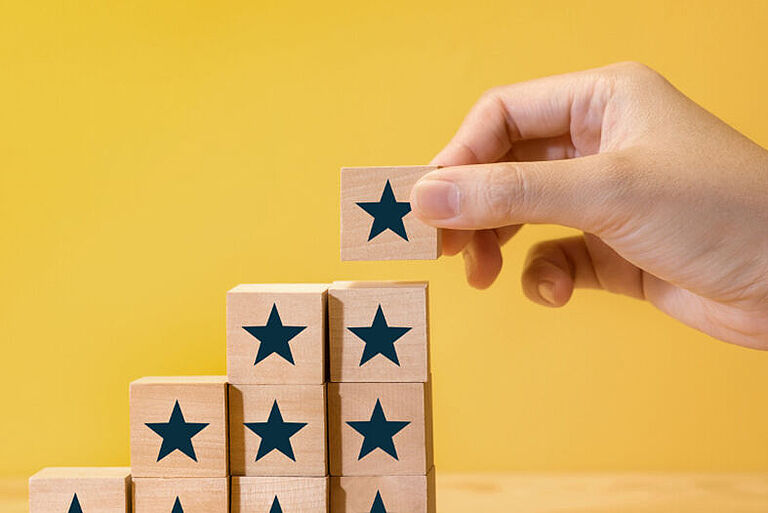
x=74, y=506
x=274, y=337
x=378, y=504
x=387, y=213
x=177, y=434
x=378, y=433
x=276, y=508
x=275, y=433
x=177, y=507
x=379, y=338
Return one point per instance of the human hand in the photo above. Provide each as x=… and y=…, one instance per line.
x=673, y=202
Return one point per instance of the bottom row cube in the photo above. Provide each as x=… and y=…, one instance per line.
x=382, y=494
x=279, y=494
x=181, y=495
x=77, y=490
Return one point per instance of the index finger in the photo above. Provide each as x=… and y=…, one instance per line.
x=540, y=108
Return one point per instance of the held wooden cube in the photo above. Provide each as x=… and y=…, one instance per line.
x=70, y=489
x=276, y=334
x=376, y=218
x=275, y=494
x=181, y=495
x=179, y=427
x=278, y=430
x=378, y=332
x=414, y=494
x=380, y=428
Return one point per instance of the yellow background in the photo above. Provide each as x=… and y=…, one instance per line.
x=155, y=154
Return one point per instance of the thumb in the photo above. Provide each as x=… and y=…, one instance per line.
x=583, y=193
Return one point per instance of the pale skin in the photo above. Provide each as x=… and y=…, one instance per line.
x=672, y=201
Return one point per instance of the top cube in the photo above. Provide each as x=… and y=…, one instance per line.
x=276, y=334
x=378, y=332
x=376, y=218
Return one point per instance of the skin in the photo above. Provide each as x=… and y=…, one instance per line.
x=672, y=201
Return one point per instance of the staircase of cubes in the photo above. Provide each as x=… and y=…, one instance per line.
x=326, y=407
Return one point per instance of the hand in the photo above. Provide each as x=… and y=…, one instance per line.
x=673, y=202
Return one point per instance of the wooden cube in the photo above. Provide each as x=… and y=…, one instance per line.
x=278, y=430
x=378, y=332
x=181, y=495
x=276, y=334
x=279, y=494
x=179, y=427
x=360, y=494
x=77, y=490
x=376, y=218
x=380, y=428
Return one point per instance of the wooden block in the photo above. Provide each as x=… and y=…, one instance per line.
x=279, y=494
x=179, y=427
x=379, y=494
x=379, y=428
x=276, y=334
x=376, y=218
x=181, y=495
x=378, y=332
x=77, y=490
x=278, y=430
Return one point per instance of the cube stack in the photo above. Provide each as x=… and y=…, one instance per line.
x=264, y=438
x=379, y=399
x=276, y=340
x=179, y=444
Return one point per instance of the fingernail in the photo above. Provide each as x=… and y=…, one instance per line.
x=547, y=291
x=436, y=199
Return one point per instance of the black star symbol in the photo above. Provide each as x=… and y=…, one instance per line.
x=379, y=338
x=387, y=213
x=274, y=337
x=378, y=432
x=177, y=506
x=276, y=508
x=275, y=433
x=177, y=434
x=378, y=504
x=74, y=506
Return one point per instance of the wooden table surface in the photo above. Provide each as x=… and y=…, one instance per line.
x=563, y=493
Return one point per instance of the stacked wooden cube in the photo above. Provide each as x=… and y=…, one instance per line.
x=276, y=347
x=263, y=438
x=179, y=444
x=379, y=399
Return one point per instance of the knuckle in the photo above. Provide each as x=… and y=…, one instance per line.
x=492, y=94
x=619, y=173
x=541, y=252
x=632, y=74
x=489, y=99
x=615, y=185
x=634, y=69
x=504, y=188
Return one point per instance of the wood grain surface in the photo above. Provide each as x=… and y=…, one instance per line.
x=414, y=494
x=201, y=399
x=367, y=185
x=296, y=304
x=356, y=304
x=400, y=402
x=296, y=403
x=209, y=494
x=304, y=494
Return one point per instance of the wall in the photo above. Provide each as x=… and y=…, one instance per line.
x=153, y=155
